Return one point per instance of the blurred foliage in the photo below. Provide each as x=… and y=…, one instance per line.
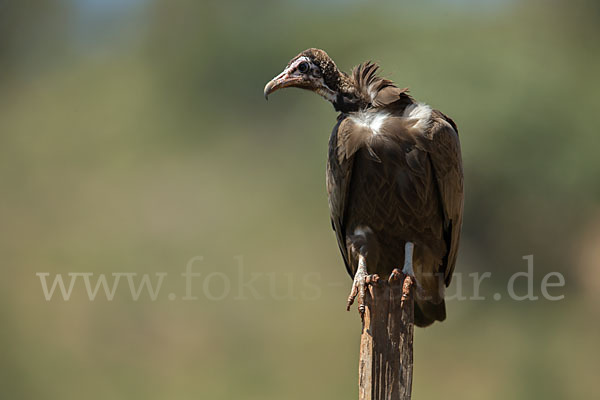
x=134, y=136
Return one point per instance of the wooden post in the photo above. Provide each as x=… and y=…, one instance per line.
x=386, y=342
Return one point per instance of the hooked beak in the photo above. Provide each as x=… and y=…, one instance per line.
x=283, y=80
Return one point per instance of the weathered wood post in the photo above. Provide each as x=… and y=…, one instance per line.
x=386, y=342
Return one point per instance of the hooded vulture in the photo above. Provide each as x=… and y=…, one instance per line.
x=394, y=179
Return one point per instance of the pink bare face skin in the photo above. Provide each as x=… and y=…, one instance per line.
x=301, y=73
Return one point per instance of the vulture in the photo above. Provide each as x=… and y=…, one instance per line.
x=394, y=180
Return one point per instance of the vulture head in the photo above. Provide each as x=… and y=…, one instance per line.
x=314, y=70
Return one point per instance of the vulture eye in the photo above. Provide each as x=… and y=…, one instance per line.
x=303, y=67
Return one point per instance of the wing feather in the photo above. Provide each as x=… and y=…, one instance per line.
x=445, y=156
x=339, y=172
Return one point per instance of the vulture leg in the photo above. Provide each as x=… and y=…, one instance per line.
x=408, y=259
x=407, y=269
x=359, y=285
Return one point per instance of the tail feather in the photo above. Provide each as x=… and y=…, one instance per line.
x=426, y=312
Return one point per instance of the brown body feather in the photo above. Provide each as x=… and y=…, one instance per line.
x=402, y=184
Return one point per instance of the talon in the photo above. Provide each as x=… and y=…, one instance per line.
x=358, y=290
x=350, y=302
x=395, y=275
x=406, y=286
x=352, y=296
x=361, y=279
x=361, y=296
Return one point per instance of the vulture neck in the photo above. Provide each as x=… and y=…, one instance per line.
x=343, y=93
x=363, y=90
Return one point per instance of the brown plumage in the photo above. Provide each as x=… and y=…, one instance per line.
x=394, y=175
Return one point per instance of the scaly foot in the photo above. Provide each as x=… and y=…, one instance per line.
x=359, y=286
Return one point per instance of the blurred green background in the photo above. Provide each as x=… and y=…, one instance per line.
x=134, y=136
